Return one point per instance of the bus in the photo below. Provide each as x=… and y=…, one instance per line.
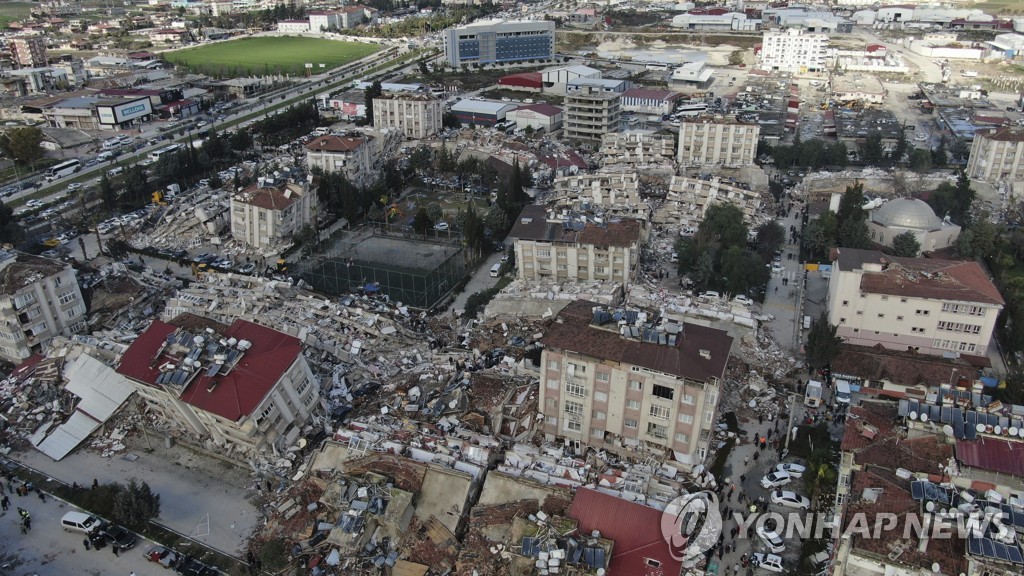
x=63, y=169
x=156, y=154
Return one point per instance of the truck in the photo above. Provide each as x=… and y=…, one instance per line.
x=812, y=396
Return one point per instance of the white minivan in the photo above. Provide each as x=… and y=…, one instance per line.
x=80, y=522
x=842, y=391
x=496, y=270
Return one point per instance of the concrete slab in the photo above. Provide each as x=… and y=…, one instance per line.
x=444, y=494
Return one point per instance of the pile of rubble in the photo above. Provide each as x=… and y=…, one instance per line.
x=547, y=298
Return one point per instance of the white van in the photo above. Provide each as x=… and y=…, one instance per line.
x=80, y=522
x=104, y=156
x=115, y=171
x=496, y=270
x=842, y=391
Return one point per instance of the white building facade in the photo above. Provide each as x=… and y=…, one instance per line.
x=705, y=141
x=794, y=50
x=39, y=299
x=266, y=216
x=416, y=114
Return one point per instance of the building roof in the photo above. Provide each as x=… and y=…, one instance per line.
x=541, y=109
x=472, y=106
x=525, y=79
x=573, y=331
x=335, y=144
x=575, y=69
x=1001, y=456
x=230, y=396
x=533, y=224
x=906, y=213
x=899, y=367
x=25, y=270
x=648, y=94
x=1005, y=134
x=920, y=277
x=635, y=529
x=270, y=197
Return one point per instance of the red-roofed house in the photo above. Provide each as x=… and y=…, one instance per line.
x=270, y=215
x=640, y=548
x=349, y=155
x=244, y=386
x=538, y=116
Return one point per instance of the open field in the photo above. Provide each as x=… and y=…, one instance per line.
x=13, y=11
x=269, y=55
x=1000, y=7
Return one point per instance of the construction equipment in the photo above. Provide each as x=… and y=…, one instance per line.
x=281, y=267
x=158, y=198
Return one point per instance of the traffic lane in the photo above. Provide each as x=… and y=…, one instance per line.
x=48, y=549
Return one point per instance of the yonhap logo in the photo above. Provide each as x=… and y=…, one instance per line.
x=691, y=525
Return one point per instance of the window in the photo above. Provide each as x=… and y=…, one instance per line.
x=659, y=412
x=573, y=408
x=903, y=300
x=551, y=403
x=634, y=368
x=597, y=432
x=67, y=297
x=652, y=562
x=842, y=320
x=552, y=384
x=552, y=364
x=630, y=423
x=687, y=398
x=598, y=415
x=921, y=312
x=575, y=369
x=917, y=330
x=685, y=418
x=573, y=425
x=885, y=298
x=663, y=392
x=543, y=253
x=633, y=404
x=58, y=281
x=881, y=315
x=636, y=385
x=600, y=396
x=602, y=376
x=899, y=318
x=657, y=430
x=552, y=420
x=682, y=437
x=860, y=312
x=266, y=412
x=709, y=415
x=575, y=389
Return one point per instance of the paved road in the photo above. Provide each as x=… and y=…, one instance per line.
x=782, y=300
x=481, y=280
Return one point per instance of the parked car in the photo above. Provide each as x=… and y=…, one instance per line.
x=776, y=268
x=73, y=187
x=769, y=562
x=442, y=226
x=710, y=295
x=163, y=556
x=790, y=499
x=771, y=540
x=794, y=470
x=119, y=536
x=775, y=479
x=193, y=567
x=248, y=268
x=199, y=258
x=34, y=203
x=743, y=299
x=223, y=264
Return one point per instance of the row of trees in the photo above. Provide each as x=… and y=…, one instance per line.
x=22, y=145
x=815, y=153
x=717, y=257
x=294, y=121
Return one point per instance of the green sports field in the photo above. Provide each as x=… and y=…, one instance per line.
x=269, y=55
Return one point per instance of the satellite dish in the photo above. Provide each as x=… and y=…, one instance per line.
x=930, y=506
x=301, y=443
x=998, y=430
x=199, y=340
x=947, y=430
x=1020, y=432
x=935, y=567
x=924, y=416
x=913, y=415
x=752, y=403
x=980, y=427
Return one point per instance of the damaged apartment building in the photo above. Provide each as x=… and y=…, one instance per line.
x=611, y=193
x=628, y=381
x=689, y=198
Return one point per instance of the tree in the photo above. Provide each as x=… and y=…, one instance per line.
x=770, y=237
x=435, y=212
x=107, y=192
x=736, y=58
x=822, y=343
x=871, y=152
x=135, y=505
x=851, y=205
x=939, y=156
x=900, y=149
x=906, y=245
x=496, y=220
x=423, y=67
x=820, y=235
x=853, y=233
x=964, y=197
x=963, y=246
x=421, y=222
x=723, y=223
x=984, y=237
x=920, y=160
x=837, y=155
x=372, y=91
x=23, y=144
x=10, y=230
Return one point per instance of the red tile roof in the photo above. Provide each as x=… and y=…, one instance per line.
x=573, y=331
x=989, y=454
x=1006, y=134
x=899, y=367
x=870, y=436
x=534, y=225
x=524, y=79
x=335, y=143
x=238, y=392
x=635, y=529
x=542, y=109
x=269, y=197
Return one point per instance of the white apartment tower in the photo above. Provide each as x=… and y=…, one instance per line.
x=39, y=299
x=794, y=50
x=416, y=114
x=997, y=155
x=722, y=142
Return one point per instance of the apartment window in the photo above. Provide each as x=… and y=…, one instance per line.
x=842, y=320
x=685, y=418
x=58, y=281
x=573, y=408
x=917, y=330
x=634, y=368
x=688, y=398
x=663, y=392
x=561, y=267
x=551, y=420
x=708, y=416
x=552, y=364
x=657, y=430
x=551, y=403
x=636, y=385
x=266, y=412
x=630, y=423
x=633, y=404
x=552, y=384
x=575, y=369
x=600, y=396
x=599, y=269
x=885, y=298
x=573, y=425
x=597, y=432
x=74, y=311
x=682, y=437
x=903, y=300
x=881, y=315
x=575, y=389
x=543, y=253
x=899, y=318
x=67, y=297
x=860, y=312
x=659, y=412
x=602, y=376
x=921, y=312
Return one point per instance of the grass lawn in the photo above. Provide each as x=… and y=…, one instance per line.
x=13, y=11
x=270, y=55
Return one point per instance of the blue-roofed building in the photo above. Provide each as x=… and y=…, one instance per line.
x=493, y=41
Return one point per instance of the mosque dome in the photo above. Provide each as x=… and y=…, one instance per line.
x=906, y=213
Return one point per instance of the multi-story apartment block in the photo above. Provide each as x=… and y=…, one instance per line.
x=590, y=113
x=39, y=299
x=637, y=147
x=724, y=142
x=627, y=381
x=616, y=194
x=492, y=41
x=266, y=215
x=350, y=155
x=920, y=304
x=688, y=200
x=416, y=114
x=794, y=50
x=551, y=247
x=245, y=386
x=997, y=155
x=323, y=20
x=29, y=51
